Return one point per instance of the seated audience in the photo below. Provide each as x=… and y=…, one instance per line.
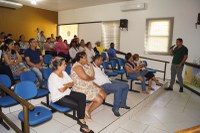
x=73, y=51
x=82, y=46
x=82, y=73
x=49, y=47
x=12, y=58
x=89, y=51
x=52, y=38
x=22, y=42
x=34, y=59
x=17, y=48
x=59, y=84
x=112, y=52
x=149, y=75
x=62, y=49
x=134, y=72
x=99, y=48
x=120, y=89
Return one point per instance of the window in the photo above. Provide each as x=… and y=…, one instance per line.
x=68, y=31
x=111, y=33
x=159, y=35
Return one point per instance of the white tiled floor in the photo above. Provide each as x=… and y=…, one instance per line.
x=169, y=112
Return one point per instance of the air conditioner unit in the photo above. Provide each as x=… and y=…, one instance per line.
x=10, y=4
x=129, y=7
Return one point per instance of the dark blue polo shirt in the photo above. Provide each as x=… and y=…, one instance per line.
x=34, y=55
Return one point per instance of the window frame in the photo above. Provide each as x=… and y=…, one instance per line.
x=170, y=36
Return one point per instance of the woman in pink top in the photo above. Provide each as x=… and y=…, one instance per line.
x=62, y=49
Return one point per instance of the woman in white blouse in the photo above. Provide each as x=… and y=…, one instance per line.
x=89, y=51
x=60, y=84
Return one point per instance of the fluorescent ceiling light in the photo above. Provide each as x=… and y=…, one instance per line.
x=33, y=2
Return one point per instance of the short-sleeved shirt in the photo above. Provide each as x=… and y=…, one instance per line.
x=179, y=54
x=55, y=83
x=112, y=53
x=34, y=55
x=100, y=49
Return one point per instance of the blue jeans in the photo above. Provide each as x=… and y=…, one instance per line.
x=120, y=91
x=142, y=74
x=39, y=75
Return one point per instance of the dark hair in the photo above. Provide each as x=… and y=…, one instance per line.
x=135, y=56
x=20, y=37
x=6, y=43
x=30, y=40
x=179, y=39
x=57, y=62
x=80, y=55
x=128, y=56
x=17, y=43
x=96, y=57
x=87, y=44
x=48, y=39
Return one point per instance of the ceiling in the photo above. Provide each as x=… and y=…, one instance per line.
x=59, y=5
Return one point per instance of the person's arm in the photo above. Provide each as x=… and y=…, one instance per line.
x=120, y=52
x=81, y=73
x=19, y=58
x=183, y=60
x=66, y=86
x=39, y=65
x=7, y=60
x=46, y=46
x=29, y=62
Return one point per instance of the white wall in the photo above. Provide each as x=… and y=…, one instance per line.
x=184, y=12
x=90, y=32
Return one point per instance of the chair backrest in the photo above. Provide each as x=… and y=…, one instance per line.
x=28, y=76
x=68, y=69
x=103, y=54
x=47, y=59
x=105, y=65
x=46, y=73
x=26, y=89
x=5, y=80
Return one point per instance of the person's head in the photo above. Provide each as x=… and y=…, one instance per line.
x=48, y=40
x=9, y=45
x=9, y=36
x=32, y=43
x=42, y=32
x=73, y=43
x=58, y=64
x=128, y=57
x=88, y=45
x=98, y=43
x=112, y=45
x=17, y=46
x=65, y=41
x=52, y=35
x=179, y=42
x=59, y=39
x=98, y=59
x=82, y=43
x=136, y=57
x=81, y=57
x=21, y=38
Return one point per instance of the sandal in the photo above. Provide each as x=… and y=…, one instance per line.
x=83, y=131
x=83, y=125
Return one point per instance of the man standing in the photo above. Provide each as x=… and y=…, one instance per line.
x=119, y=89
x=180, y=55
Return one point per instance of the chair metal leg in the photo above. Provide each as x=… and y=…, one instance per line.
x=47, y=101
x=3, y=123
x=131, y=88
x=108, y=104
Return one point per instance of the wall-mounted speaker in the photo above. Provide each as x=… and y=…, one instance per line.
x=123, y=23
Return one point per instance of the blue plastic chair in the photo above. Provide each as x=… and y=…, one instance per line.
x=27, y=90
x=30, y=76
x=47, y=59
x=68, y=69
x=149, y=70
x=6, y=101
x=107, y=68
x=131, y=82
x=117, y=67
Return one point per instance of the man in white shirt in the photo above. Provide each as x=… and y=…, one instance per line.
x=120, y=89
